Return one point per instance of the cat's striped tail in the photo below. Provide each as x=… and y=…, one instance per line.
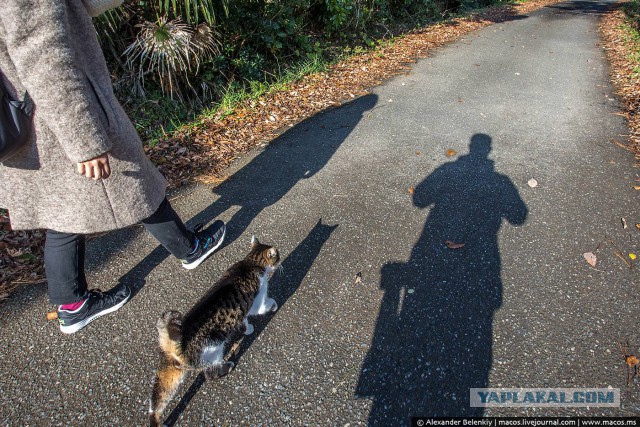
x=166, y=382
x=172, y=365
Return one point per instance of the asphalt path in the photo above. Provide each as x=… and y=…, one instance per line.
x=379, y=320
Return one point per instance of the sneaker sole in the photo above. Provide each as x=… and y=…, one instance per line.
x=204, y=256
x=77, y=326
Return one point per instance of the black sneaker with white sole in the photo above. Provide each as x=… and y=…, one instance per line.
x=207, y=241
x=97, y=304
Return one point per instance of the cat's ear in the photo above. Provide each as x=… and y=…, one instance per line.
x=254, y=242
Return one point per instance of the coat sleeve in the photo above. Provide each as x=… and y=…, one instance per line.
x=37, y=38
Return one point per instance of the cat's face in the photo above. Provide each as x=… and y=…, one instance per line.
x=268, y=256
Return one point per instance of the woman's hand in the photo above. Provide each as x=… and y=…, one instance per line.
x=96, y=168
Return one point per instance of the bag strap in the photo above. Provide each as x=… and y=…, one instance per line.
x=3, y=90
x=26, y=104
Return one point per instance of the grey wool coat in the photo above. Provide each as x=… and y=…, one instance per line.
x=50, y=49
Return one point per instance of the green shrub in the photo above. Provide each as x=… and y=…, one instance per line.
x=632, y=10
x=199, y=51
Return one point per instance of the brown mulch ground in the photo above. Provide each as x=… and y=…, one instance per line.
x=625, y=73
x=21, y=255
x=204, y=152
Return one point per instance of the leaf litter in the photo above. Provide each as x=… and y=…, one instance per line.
x=21, y=257
x=591, y=258
x=621, y=51
x=452, y=245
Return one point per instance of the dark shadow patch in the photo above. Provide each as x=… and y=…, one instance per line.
x=582, y=8
x=433, y=336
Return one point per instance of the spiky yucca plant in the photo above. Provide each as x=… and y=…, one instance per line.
x=170, y=50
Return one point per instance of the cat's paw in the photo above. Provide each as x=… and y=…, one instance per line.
x=248, y=330
x=270, y=305
x=218, y=371
x=225, y=369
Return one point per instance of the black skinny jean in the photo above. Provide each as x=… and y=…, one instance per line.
x=64, y=253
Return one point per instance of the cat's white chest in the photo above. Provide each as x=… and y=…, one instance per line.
x=264, y=279
x=212, y=355
x=262, y=303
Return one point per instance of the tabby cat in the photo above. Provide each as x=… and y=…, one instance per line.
x=196, y=341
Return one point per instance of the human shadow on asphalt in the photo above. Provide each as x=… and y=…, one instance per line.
x=433, y=336
x=297, y=154
x=283, y=284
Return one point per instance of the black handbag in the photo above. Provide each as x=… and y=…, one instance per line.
x=16, y=123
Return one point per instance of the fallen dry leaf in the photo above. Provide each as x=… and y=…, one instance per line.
x=636, y=187
x=235, y=347
x=638, y=226
x=532, y=183
x=632, y=256
x=411, y=190
x=451, y=152
x=14, y=253
x=591, y=258
x=358, y=278
x=624, y=223
x=452, y=245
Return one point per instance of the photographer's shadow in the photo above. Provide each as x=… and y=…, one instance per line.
x=433, y=337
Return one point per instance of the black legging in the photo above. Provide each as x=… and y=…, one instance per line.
x=64, y=253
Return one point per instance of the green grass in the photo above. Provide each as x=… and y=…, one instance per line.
x=631, y=29
x=158, y=117
x=255, y=89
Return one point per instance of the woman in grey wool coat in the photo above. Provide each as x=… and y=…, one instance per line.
x=84, y=171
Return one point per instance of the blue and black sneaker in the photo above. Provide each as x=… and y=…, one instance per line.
x=95, y=305
x=207, y=241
